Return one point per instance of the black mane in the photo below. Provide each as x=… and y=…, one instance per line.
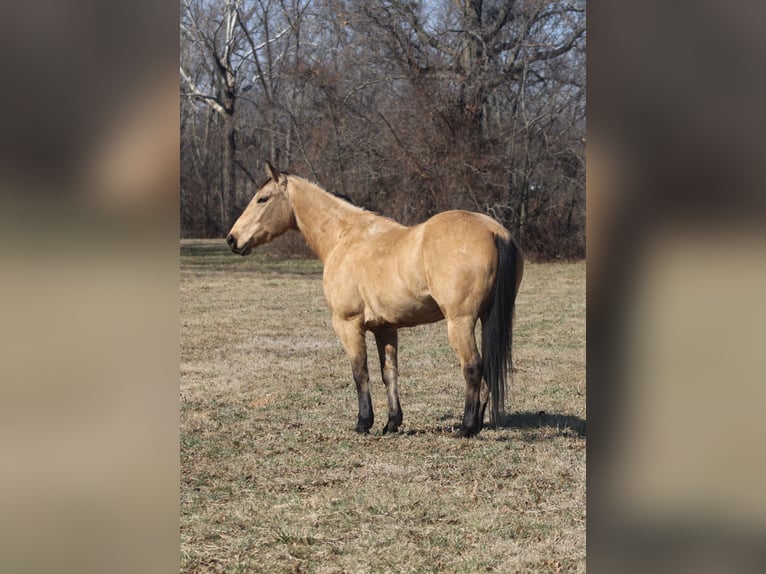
x=345, y=198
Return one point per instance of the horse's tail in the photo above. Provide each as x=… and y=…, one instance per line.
x=497, y=329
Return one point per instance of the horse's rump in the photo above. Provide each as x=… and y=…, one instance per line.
x=460, y=260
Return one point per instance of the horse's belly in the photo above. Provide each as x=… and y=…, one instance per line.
x=403, y=313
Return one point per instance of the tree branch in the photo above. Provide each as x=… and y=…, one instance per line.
x=514, y=66
x=213, y=102
x=500, y=21
x=406, y=10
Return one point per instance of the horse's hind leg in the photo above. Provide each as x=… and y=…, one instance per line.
x=351, y=335
x=485, y=392
x=462, y=339
x=388, y=342
x=484, y=399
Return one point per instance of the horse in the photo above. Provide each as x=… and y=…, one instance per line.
x=380, y=276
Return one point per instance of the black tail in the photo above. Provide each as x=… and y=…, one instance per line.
x=497, y=330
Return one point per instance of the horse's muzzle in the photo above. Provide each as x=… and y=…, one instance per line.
x=232, y=242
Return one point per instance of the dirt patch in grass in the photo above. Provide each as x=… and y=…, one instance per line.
x=275, y=480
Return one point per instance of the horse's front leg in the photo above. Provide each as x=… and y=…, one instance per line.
x=351, y=334
x=388, y=343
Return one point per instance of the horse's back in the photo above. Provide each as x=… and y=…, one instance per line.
x=457, y=227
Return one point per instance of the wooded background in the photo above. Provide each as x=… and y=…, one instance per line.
x=407, y=107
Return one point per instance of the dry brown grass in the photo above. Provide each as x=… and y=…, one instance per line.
x=274, y=479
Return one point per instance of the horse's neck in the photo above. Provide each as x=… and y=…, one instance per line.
x=322, y=218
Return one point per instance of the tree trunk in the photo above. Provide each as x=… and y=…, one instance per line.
x=471, y=60
x=229, y=157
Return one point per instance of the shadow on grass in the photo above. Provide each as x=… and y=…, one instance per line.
x=533, y=420
x=566, y=425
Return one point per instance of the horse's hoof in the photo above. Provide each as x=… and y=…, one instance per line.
x=463, y=432
x=390, y=427
x=361, y=429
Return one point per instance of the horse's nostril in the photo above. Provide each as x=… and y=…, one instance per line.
x=230, y=240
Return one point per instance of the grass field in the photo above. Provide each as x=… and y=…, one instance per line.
x=274, y=479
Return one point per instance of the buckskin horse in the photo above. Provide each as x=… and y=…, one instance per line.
x=380, y=275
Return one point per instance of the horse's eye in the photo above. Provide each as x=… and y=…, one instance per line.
x=263, y=199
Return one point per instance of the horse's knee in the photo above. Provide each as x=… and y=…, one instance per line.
x=360, y=374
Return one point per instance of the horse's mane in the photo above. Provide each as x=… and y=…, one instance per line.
x=342, y=196
x=347, y=199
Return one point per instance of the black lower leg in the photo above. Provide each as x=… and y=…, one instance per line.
x=365, y=418
x=472, y=414
x=394, y=420
x=387, y=342
x=366, y=415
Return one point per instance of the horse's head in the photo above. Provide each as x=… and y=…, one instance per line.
x=268, y=215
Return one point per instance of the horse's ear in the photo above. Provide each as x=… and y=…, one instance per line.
x=273, y=172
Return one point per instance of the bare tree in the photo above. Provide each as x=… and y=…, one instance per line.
x=408, y=107
x=222, y=44
x=211, y=32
